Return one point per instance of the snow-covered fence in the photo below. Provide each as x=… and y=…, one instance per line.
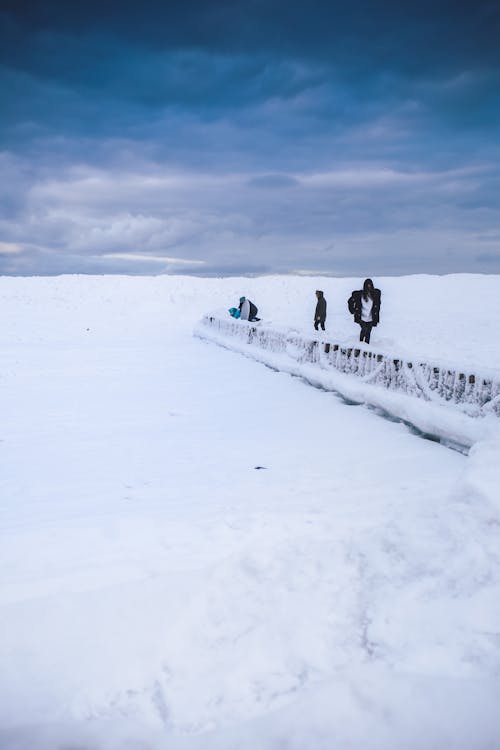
x=474, y=393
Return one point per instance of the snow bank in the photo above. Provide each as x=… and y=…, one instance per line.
x=359, y=373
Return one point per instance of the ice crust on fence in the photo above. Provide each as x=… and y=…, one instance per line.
x=474, y=394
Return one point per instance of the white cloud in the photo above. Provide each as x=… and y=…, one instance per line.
x=10, y=248
x=140, y=257
x=336, y=220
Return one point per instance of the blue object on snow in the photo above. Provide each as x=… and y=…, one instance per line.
x=234, y=312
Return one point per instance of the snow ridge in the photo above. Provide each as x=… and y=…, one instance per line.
x=455, y=397
x=475, y=395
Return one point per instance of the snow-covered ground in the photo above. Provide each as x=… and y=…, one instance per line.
x=159, y=590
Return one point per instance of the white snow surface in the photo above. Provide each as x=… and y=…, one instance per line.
x=158, y=590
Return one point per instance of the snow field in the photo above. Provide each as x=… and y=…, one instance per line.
x=157, y=590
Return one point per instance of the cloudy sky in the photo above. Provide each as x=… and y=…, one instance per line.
x=210, y=137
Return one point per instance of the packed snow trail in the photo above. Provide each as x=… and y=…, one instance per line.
x=159, y=591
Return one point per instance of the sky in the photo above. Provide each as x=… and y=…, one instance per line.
x=228, y=138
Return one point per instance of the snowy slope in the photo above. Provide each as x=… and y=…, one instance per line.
x=157, y=590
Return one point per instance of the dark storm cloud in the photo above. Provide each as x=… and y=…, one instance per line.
x=446, y=31
x=202, y=137
x=209, y=55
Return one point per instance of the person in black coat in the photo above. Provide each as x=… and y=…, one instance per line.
x=320, y=312
x=364, y=304
x=248, y=311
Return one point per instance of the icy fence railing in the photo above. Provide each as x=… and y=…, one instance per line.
x=475, y=394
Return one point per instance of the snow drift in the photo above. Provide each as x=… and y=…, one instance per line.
x=475, y=394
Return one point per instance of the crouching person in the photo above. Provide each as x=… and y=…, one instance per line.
x=248, y=311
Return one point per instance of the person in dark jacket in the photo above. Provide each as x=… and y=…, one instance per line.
x=248, y=311
x=320, y=312
x=364, y=304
